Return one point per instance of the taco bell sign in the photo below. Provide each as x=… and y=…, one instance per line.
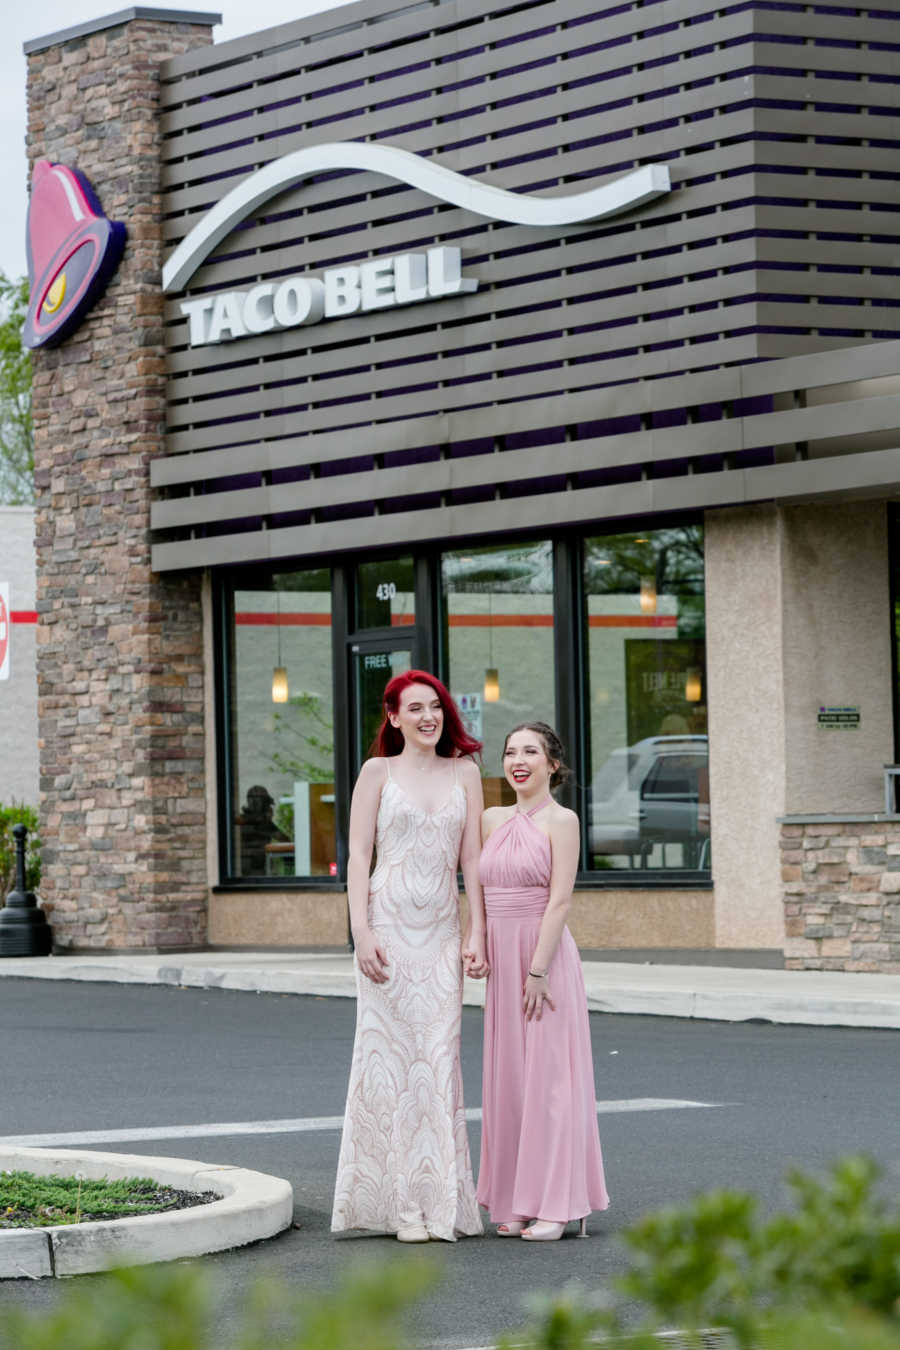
x=381, y=283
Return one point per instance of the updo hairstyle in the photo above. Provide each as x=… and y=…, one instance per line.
x=553, y=747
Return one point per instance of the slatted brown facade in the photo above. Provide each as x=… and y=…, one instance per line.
x=601, y=370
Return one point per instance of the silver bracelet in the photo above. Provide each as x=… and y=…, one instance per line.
x=535, y=976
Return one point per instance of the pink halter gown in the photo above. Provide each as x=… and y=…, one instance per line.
x=540, y=1148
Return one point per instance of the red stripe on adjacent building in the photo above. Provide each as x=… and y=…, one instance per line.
x=266, y=620
x=23, y=616
x=633, y=621
x=309, y=620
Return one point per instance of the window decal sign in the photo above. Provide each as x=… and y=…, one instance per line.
x=622, y=194
x=73, y=250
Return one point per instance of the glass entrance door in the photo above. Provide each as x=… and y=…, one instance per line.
x=374, y=663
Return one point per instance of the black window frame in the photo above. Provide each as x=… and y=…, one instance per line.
x=429, y=652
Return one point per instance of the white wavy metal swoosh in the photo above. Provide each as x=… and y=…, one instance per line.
x=496, y=203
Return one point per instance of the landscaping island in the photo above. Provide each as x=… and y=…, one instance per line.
x=30, y=1201
x=224, y=1207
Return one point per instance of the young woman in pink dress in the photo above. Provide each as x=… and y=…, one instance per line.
x=540, y=1150
x=404, y=1163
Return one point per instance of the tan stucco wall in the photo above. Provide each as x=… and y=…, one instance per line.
x=836, y=636
x=746, y=723
x=278, y=919
x=798, y=615
x=631, y=918
x=623, y=918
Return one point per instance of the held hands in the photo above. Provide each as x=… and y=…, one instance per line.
x=535, y=993
x=370, y=957
x=474, y=957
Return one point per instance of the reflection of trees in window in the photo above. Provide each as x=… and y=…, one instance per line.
x=304, y=749
x=616, y=563
x=671, y=559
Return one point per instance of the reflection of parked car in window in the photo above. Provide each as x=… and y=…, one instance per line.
x=653, y=792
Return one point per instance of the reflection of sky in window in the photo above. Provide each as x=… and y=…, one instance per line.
x=519, y=569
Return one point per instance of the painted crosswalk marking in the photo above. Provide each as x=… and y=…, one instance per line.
x=302, y=1125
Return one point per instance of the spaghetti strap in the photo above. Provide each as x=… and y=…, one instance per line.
x=387, y=764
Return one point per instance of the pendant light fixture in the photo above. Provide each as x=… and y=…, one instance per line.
x=491, y=675
x=693, y=685
x=279, y=674
x=648, y=595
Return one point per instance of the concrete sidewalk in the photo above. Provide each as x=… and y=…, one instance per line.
x=718, y=993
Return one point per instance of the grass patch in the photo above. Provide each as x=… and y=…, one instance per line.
x=28, y=1201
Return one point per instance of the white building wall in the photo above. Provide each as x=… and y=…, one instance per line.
x=18, y=694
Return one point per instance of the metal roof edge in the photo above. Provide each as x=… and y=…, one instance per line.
x=113, y=20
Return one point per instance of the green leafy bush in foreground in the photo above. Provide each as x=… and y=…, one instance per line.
x=826, y=1275
x=18, y=814
x=169, y=1308
x=715, y=1262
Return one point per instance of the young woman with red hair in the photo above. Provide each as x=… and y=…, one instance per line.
x=404, y=1165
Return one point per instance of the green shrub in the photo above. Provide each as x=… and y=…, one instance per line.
x=715, y=1262
x=18, y=814
x=825, y=1275
x=169, y=1307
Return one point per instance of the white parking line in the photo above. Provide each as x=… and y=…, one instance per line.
x=305, y=1125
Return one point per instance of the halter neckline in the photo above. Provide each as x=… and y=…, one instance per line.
x=534, y=809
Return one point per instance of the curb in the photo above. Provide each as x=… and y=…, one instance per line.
x=735, y=1006
x=254, y=1205
x=721, y=994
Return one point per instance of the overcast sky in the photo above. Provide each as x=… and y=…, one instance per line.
x=38, y=18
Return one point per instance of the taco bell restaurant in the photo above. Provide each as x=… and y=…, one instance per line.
x=551, y=346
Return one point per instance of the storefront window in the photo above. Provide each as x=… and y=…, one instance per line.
x=385, y=596
x=648, y=775
x=281, y=716
x=636, y=683
x=498, y=612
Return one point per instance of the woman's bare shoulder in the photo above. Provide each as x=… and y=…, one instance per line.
x=561, y=818
x=374, y=770
x=467, y=769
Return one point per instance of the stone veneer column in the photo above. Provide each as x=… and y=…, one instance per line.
x=120, y=651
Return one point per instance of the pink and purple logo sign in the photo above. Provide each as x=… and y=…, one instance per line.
x=73, y=250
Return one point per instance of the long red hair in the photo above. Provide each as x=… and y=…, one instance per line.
x=455, y=740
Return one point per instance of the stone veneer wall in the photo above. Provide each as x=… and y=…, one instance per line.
x=841, y=885
x=120, y=656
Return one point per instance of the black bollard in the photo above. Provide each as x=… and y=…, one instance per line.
x=24, y=930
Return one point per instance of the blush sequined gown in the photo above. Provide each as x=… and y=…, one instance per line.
x=540, y=1149
x=404, y=1150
